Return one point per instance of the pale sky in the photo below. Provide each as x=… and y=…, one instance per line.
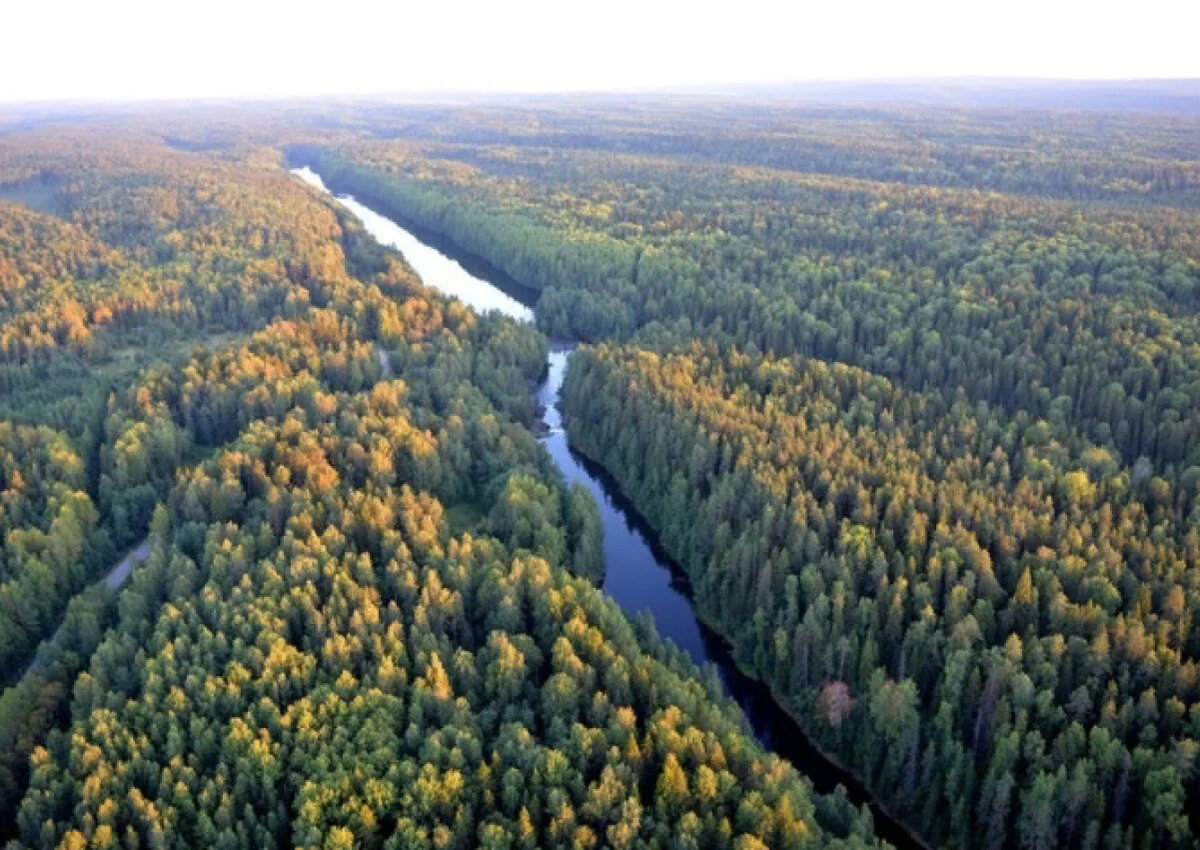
x=151, y=49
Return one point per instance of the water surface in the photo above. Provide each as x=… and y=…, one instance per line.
x=435, y=268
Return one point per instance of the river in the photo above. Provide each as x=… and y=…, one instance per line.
x=639, y=575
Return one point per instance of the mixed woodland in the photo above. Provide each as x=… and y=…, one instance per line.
x=914, y=400
x=369, y=613
x=911, y=396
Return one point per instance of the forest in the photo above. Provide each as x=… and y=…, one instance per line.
x=368, y=615
x=911, y=396
x=984, y=620
x=915, y=402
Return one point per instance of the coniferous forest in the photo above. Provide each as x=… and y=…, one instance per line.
x=911, y=396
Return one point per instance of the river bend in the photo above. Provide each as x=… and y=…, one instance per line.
x=639, y=575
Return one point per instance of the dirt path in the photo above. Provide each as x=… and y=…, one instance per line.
x=113, y=580
x=118, y=574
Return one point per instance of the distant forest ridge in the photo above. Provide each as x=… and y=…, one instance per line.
x=1165, y=95
x=1168, y=96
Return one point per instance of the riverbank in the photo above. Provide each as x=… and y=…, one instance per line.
x=774, y=725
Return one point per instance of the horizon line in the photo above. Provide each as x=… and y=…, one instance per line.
x=730, y=88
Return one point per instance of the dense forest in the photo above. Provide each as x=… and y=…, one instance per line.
x=1062, y=311
x=912, y=396
x=985, y=620
x=914, y=399
x=368, y=615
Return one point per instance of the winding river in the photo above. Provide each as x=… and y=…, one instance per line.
x=639, y=575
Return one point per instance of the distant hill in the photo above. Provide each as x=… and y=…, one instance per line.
x=1177, y=96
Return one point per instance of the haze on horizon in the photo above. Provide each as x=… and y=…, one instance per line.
x=140, y=49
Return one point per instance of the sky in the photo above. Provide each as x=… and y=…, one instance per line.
x=176, y=49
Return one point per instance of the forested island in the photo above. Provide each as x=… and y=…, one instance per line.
x=911, y=396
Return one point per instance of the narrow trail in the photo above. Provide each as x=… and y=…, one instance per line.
x=116, y=577
x=120, y=573
x=113, y=580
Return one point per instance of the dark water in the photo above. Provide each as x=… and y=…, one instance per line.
x=639, y=575
x=38, y=193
